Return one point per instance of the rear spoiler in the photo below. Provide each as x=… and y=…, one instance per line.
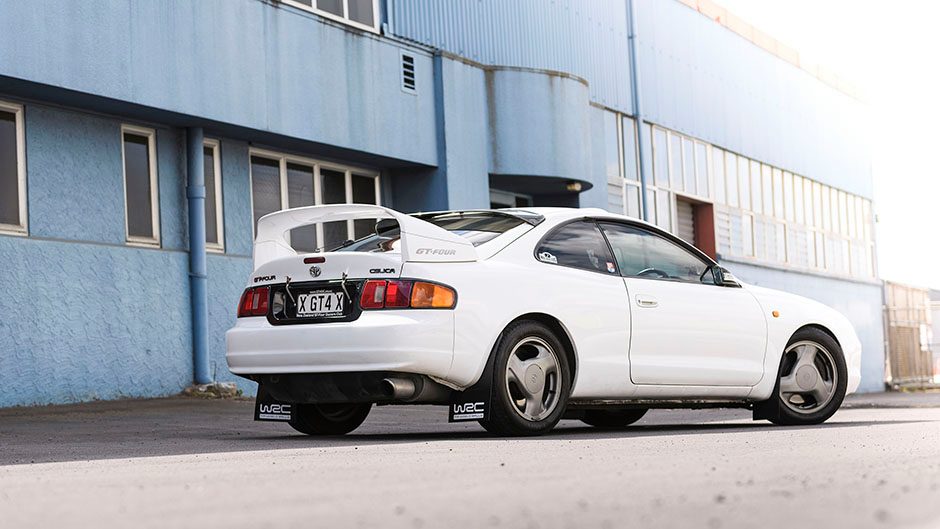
x=421, y=241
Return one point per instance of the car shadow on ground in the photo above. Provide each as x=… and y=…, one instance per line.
x=170, y=427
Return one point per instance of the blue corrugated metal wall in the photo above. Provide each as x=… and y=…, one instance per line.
x=697, y=77
x=584, y=38
x=706, y=81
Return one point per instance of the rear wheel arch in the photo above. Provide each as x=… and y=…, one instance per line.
x=560, y=331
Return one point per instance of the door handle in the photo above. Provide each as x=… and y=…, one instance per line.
x=646, y=301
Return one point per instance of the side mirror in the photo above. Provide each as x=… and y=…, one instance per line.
x=724, y=278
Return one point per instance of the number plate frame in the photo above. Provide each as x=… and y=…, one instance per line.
x=316, y=298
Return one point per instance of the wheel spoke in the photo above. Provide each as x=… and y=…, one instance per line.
x=805, y=356
x=820, y=391
x=788, y=385
x=516, y=371
x=533, y=403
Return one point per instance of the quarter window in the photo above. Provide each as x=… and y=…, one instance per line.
x=140, y=186
x=12, y=170
x=641, y=253
x=578, y=245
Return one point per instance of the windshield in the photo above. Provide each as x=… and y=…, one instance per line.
x=477, y=228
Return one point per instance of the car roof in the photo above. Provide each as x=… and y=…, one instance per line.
x=535, y=215
x=561, y=214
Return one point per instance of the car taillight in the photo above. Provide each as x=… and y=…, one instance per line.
x=432, y=296
x=398, y=294
x=254, y=302
x=373, y=294
x=379, y=294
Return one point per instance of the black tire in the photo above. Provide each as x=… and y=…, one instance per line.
x=328, y=419
x=776, y=409
x=613, y=419
x=506, y=418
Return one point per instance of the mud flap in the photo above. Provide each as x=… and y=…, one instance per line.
x=473, y=403
x=268, y=409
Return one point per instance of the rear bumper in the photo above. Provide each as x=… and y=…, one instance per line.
x=407, y=341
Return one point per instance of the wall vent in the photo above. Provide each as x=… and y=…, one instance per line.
x=408, y=73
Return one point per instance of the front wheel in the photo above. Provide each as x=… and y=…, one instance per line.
x=531, y=381
x=328, y=419
x=811, y=381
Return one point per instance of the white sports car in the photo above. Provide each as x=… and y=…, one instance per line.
x=517, y=318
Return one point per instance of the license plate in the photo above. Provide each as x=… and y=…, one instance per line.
x=321, y=303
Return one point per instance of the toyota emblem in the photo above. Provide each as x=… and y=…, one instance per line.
x=315, y=271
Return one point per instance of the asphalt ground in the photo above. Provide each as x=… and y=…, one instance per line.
x=184, y=462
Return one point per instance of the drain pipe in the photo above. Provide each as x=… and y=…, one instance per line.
x=637, y=105
x=196, y=195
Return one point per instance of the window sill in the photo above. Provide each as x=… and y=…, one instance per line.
x=10, y=229
x=143, y=243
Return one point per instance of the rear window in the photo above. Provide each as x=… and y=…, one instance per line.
x=478, y=229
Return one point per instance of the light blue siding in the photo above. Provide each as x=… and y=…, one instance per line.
x=698, y=77
x=244, y=63
x=706, y=81
x=584, y=38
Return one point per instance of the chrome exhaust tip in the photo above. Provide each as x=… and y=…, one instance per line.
x=399, y=388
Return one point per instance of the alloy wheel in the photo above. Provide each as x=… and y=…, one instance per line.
x=532, y=378
x=809, y=377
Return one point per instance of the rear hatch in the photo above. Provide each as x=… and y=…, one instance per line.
x=326, y=286
x=317, y=288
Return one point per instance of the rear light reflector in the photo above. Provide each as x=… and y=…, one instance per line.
x=314, y=260
x=373, y=294
x=254, y=302
x=404, y=294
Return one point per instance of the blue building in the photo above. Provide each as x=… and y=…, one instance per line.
x=128, y=129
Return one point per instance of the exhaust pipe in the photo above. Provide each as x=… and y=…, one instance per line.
x=399, y=388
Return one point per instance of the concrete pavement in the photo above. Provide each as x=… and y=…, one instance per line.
x=187, y=462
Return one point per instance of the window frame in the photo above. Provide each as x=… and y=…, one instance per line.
x=283, y=159
x=341, y=19
x=216, y=146
x=655, y=231
x=555, y=229
x=20, y=134
x=151, y=135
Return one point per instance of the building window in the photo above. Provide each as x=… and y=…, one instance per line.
x=141, y=203
x=363, y=14
x=215, y=226
x=280, y=182
x=12, y=170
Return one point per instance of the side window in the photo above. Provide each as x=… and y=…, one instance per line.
x=578, y=245
x=641, y=253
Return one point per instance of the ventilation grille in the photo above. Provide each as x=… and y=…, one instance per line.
x=408, y=73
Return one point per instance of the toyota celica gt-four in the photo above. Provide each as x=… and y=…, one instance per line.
x=517, y=318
